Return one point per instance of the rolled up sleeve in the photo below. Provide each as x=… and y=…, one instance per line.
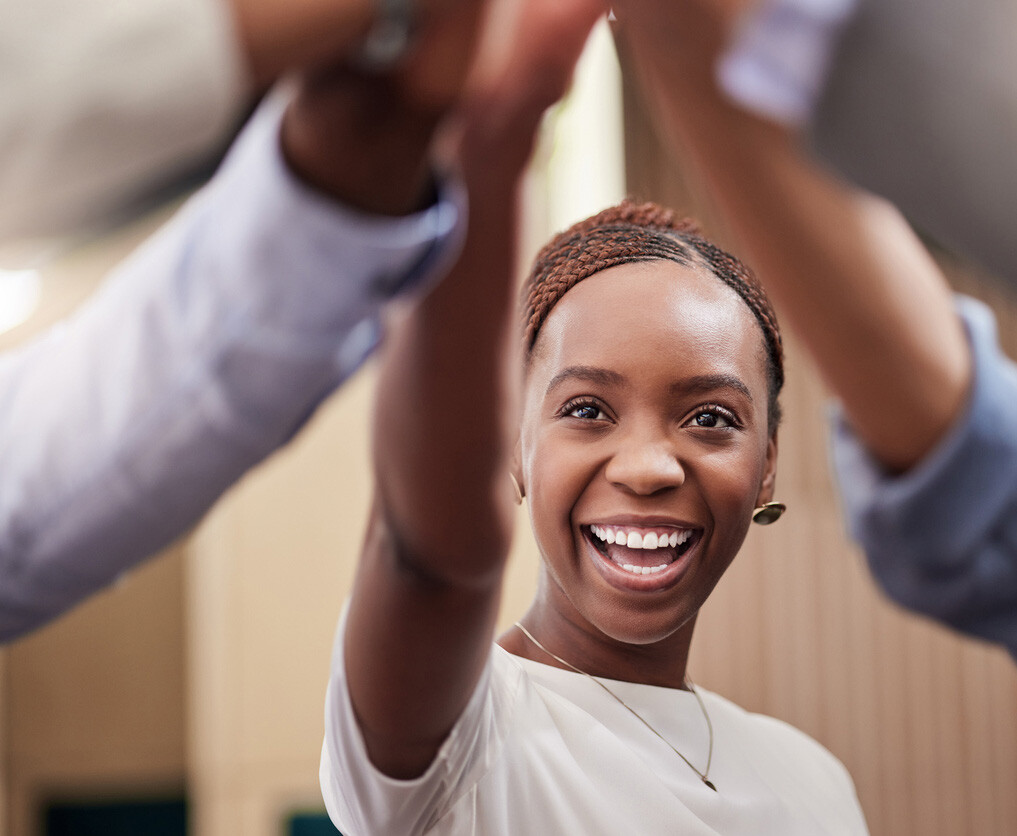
x=942, y=538
x=200, y=355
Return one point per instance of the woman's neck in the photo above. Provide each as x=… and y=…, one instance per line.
x=574, y=644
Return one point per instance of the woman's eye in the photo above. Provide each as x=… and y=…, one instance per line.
x=584, y=411
x=713, y=418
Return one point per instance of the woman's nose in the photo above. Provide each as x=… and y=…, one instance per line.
x=645, y=465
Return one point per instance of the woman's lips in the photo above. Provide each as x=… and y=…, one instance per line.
x=640, y=557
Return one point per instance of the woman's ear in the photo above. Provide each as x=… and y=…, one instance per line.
x=768, y=485
x=516, y=473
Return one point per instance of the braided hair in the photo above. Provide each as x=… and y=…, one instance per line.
x=636, y=232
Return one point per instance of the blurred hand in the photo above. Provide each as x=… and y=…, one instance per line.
x=525, y=64
x=672, y=48
x=280, y=35
x=365, y=137
x=681, y=38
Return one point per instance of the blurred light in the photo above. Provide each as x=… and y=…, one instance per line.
x=20, y=292
x=586, y=171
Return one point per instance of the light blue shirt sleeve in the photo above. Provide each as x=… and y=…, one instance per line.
x=200, y=355
x=942, y=538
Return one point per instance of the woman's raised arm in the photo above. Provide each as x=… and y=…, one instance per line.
x=421, y=620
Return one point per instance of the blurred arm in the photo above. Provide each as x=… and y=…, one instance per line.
x=927, y=454
x=202, y=353
x=103, y=104
x=843, y=267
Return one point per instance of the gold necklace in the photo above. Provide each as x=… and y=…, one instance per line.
x=639, y=717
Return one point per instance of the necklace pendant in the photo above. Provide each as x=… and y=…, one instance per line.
x=634, y=713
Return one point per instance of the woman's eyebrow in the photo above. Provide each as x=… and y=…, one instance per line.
x=591, y=374
x=710, y=383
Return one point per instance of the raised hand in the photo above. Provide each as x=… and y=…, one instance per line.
x=365, y=137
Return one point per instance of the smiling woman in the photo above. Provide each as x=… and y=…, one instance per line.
x=648, y=399
x=663, y=460
x=647, y=437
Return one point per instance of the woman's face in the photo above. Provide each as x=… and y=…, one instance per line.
x=644, y=446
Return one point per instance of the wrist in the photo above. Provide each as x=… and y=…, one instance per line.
x=344, y=137
x=277, y=37
x=387, y=41
x=495, y=146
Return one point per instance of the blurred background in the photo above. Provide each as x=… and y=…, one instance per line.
x=188, y=698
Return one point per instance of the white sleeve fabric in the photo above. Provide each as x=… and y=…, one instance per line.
x=202, y=353
x=102, y=101
x=361, y=801
x=778, y=59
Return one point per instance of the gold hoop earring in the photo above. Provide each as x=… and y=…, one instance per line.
x=768, y=513
x=517, y=489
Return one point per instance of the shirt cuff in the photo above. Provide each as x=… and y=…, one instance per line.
x=323, y=269
x=777, y=62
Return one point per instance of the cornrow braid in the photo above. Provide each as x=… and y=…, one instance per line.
x=637, y=232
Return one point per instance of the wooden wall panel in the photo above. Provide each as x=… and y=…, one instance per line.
x=268, y=573
x=4, y=781
x=95, y=700
x=925, y=721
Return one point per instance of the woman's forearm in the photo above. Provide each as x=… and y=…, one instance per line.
x=441, y=418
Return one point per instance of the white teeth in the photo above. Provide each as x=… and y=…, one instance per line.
x=644, y=570
x=638, y=540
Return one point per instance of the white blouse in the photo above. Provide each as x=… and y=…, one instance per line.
x=540, y=750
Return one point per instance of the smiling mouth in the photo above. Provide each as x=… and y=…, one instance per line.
x=641, y=550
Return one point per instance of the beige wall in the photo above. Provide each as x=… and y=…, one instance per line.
x=4, y=799
x=95, y=701
x=267, y=574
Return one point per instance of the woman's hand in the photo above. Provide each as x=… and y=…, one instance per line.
x=528, y=55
